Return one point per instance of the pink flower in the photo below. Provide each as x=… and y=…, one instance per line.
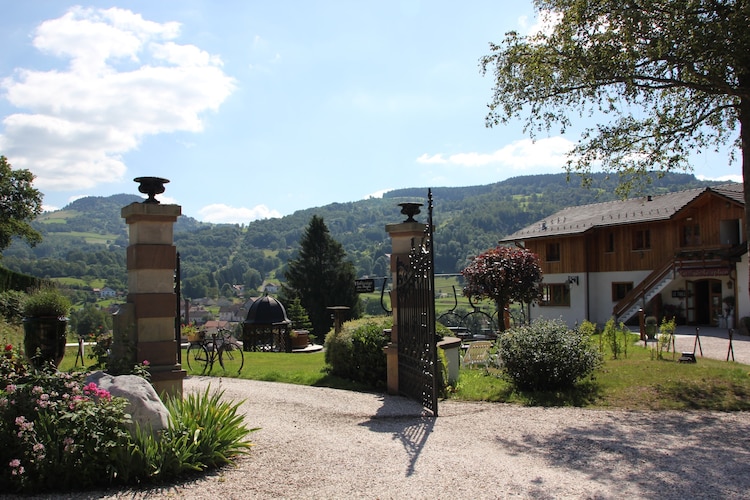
x=15, y=462
x=146, y=362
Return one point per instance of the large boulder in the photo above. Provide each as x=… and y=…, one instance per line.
x=145, y=407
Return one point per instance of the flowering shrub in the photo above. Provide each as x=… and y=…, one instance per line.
x=58, y=432
x=503, y=274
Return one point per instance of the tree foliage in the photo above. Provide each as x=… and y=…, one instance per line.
x=503, y=274
x=88, y=237
x=321, y=277
x=20, y=203
x=670, y=75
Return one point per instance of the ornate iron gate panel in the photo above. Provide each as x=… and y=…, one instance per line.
x=418, y=368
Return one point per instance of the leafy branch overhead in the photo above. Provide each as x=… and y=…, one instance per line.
x=667, y=78
x=20, y=203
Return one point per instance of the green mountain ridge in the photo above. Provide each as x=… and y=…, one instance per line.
x=87, y=238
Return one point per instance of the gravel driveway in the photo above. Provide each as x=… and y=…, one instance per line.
x=327, y=443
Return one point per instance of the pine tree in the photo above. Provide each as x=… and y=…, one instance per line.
x=321, y=277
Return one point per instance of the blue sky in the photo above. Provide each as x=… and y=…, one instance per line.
x=255, y=109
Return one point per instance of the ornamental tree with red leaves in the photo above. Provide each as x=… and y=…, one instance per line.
x=503, y=274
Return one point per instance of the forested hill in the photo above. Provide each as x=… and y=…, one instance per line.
x=87, y=238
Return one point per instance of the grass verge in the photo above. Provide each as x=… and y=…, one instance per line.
x=637, y=382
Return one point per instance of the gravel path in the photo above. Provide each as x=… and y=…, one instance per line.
x=326, y=443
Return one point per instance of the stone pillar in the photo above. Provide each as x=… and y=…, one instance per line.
x=147, y=322
x=402, y=236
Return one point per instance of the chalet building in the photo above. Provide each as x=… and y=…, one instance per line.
x=681, y=254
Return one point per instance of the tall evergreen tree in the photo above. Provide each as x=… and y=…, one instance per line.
x=321, y=277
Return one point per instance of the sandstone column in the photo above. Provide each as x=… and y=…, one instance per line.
x=145, y=326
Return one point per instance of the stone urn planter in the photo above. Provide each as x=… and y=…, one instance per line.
x=45, y=325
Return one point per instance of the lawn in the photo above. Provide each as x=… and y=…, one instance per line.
x=637, y=382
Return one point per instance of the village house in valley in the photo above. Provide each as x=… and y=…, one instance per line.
x=680, y=254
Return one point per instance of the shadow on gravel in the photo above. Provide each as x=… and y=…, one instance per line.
x=406, y=421
x=690, y=455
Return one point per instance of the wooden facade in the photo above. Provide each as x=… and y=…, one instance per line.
x=618, y=245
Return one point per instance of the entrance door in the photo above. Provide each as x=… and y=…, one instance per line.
x=703, y=301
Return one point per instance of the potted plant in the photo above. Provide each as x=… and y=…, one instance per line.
x=45, y=321
x=192, y=333
x=300, y=339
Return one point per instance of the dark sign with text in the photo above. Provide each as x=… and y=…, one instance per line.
x=364, y=285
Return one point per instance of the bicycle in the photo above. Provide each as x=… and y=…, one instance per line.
x=202, y=353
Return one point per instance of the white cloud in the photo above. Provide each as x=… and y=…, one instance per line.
x=126, y=79
x=723, y=178
x=544, y=24
x=224, y=214
x=520, y=155
x=378, y=194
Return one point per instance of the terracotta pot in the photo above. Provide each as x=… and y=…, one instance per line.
x=44, y=340
x=300, y=339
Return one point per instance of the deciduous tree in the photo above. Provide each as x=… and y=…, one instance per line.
x=668, y=78
x=503, y=274
x=20, y=203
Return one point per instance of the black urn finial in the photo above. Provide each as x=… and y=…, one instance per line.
x=410, y=209
x=151, y=186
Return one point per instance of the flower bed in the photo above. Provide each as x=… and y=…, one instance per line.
x=60, y=433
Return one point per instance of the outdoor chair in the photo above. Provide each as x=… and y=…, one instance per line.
x=478, y=353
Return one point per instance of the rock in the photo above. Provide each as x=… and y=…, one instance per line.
x=145, y=408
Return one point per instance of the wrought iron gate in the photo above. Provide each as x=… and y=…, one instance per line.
x=418, y=368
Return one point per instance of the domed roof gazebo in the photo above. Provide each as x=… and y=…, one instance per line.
x=267, y=327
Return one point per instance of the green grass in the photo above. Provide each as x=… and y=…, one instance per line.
x=95, y=283
x=637, y=382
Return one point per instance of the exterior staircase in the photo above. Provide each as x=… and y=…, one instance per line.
x=646, y=290
x=655, y=282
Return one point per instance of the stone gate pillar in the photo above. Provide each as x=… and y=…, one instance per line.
x=402, y=235
x=145, y=327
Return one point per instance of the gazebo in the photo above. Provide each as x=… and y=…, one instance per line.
x=267, y=327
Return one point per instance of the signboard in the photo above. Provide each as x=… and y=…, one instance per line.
x=364, y=285
x=703, y=271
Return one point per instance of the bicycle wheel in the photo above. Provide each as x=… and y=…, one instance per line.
x=197, y=358
x=234, y=355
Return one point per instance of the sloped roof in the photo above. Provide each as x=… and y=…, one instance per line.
x=577, y=220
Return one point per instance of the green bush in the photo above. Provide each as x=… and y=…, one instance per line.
x=547, y=355
x=617, y=337
x=356, y=352
x=204, y=432
x=11, y=305
x=46, y=302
